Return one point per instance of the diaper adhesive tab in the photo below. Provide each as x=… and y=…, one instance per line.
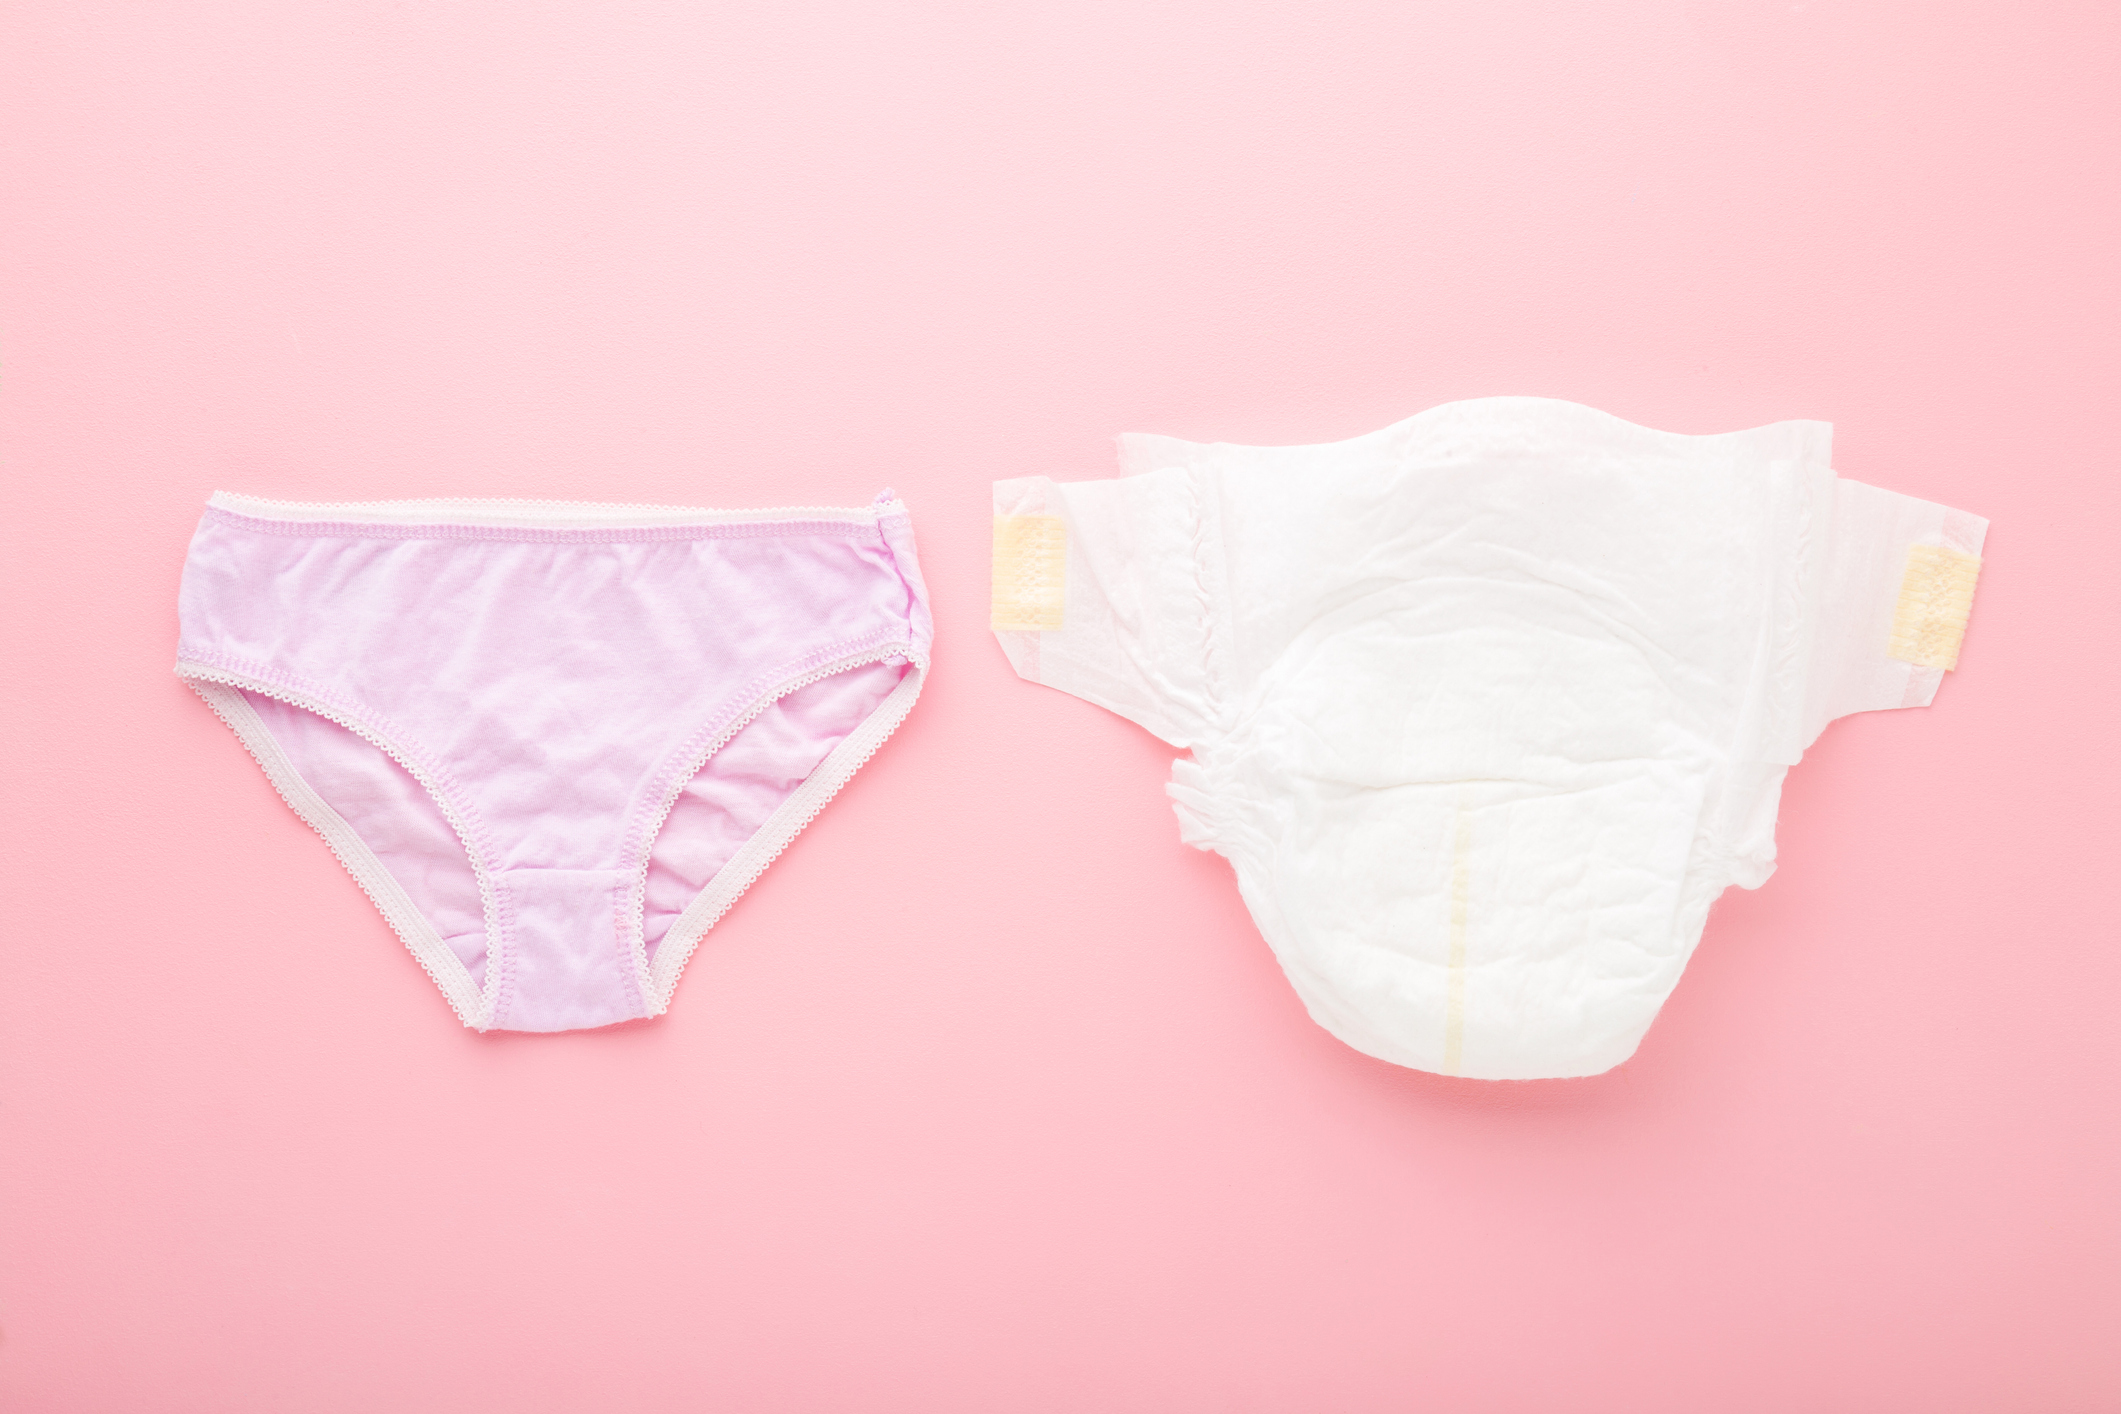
x=1935, y=596
x=1030, y=573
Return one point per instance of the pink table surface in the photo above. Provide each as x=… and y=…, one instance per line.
x=989, y=1097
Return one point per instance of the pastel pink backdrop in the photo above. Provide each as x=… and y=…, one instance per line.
x=989, y=1097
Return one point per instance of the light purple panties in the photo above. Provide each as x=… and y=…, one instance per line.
x=554, y=741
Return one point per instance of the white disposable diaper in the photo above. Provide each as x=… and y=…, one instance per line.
x=1487, y=707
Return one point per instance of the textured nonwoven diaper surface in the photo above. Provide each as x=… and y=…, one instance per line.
x=1487, y=707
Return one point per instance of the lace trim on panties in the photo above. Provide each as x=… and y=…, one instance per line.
x=687, y=760
x=794, y=815
x=476, y=513
x=223, y=692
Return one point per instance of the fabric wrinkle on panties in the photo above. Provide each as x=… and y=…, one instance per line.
x=1484, y=708
x=554, y=741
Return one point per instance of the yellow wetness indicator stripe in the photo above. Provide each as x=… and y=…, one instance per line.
x=1935, y=597
x=1454, y=1017
x=1030, y=572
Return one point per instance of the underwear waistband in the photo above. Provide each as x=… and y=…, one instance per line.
x=457, y=516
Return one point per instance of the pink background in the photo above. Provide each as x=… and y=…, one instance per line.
x=989, y=1097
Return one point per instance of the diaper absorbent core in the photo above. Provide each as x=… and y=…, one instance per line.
x=1485, y=708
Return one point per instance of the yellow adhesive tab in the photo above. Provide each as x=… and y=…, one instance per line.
x=1935, y=597
x=1030, y=572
